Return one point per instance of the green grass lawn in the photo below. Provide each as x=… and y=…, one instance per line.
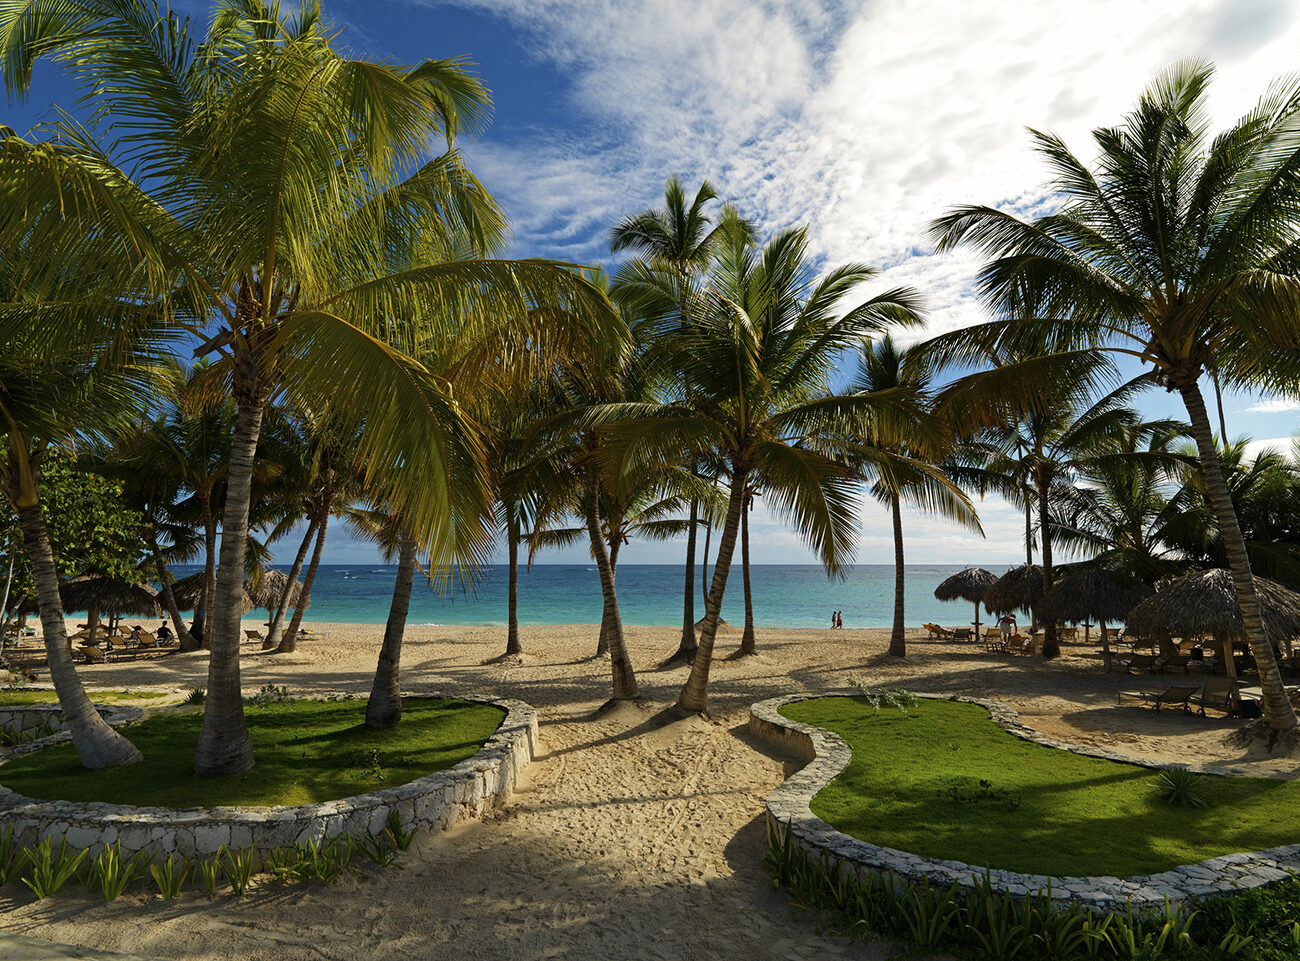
x=22, y=695
x=1075, y=815
x=306, y=751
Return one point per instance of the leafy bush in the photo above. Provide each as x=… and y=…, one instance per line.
x=112, y=874
x=196, y=696
x=399, y=839
x=50, y=871
x=169, y=877
x=884, y=696
x=239, y=867
x=268, y=694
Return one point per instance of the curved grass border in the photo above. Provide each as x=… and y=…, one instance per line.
x=828, y=755
x=436, y=801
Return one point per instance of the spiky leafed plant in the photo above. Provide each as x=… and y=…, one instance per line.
x=911, y=477
x=264, y=186
x=759, y=359
x=675, y=241
x=1178, y=249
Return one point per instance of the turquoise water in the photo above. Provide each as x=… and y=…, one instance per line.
x=649, y=594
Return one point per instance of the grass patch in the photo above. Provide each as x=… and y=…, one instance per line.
x=22, y=695
x=945, y=781
x=306, y=751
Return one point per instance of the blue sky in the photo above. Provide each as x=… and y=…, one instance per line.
x=863, y=120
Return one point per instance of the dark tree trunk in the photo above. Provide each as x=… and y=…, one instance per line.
x=92, y=624
x=183, y=636
x=97, y=744
x=620, y=664
x=225, y=746
x=384, y=709
x=289, y=643
x=704, y=563
x=897, y=641
x=513, y=646
x=747, y=641
x=207, y=597
x=606, y=614
x=275, y=633
x=695, y=693
x=687, y=646
x=1051, y=644
x=1277, y=710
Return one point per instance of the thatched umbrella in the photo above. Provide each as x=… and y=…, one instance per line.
x=968, y=585
x=108, y=595
x=1205, y=602
x=188, y=592
x=1093, y=593
x=271, y=587
x=1019, y=589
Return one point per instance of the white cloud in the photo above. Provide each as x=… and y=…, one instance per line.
x=1278, y=405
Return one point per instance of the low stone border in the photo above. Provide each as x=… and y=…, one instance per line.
x=436, y=802
x=29, y=717
x=828, y=756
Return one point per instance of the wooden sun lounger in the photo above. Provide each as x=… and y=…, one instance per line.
x=937, y=632
x=1174, y=695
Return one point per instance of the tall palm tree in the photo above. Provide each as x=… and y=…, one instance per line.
x=281, y=177
x=1178, y=250
x=678, y=239
x=881, y=372
x=758, y=359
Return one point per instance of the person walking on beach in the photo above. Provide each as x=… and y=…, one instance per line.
x=835, y=616
x=1007, y=625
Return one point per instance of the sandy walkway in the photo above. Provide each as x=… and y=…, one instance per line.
x=631, y=837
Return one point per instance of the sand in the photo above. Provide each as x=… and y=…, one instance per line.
x=632, y=835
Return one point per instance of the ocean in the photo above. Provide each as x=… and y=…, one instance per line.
x=649, y=594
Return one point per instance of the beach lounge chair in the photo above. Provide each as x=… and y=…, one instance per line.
x=1140, y=662
x=1068, y=633
x=1221, y=694
x=93, y=655
x=1018, y=644
x=993, y=640
x=146, y=640
x=933, y=630
x=1177, y=694
x=253, y=637
x=1173, y=662
x=961, y=634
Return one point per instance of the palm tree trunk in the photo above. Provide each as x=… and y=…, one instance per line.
x=92, y=623
x=695, y=693
x=276, y=630
x=1277, y=710
x=384, y=709
x=225, y=746
x=606, y=614
x=897, y=643
x=4, y=604
x=183, y=636
x=1218, y=396
x=687, y=646
x=620, y=664
x=747, y=644
x=704, y=563
x=513, y=647
x=1029, y=535
x=289, y=643
x=1051, y=645
x=207, y=597
x=97, y=745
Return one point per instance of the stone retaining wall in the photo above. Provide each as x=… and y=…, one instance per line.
x=828, y=755
x=29, y=717
x=436, y=802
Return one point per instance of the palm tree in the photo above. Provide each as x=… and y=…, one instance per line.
x=677, y=239
x=1178, y=250
x=758, y=360
x=881, y=372
x=282, y=178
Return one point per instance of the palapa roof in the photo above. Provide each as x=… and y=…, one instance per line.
x=110, y=595
x=1093, y=594
x=1205, y=602
x=187, y=591
x=269, y=588
x=1019, y=589
x=968, y=585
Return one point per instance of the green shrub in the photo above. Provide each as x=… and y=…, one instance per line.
x=50, y=871
x=169, y=877
x=1180, y=787
x=399, y=839
x=239, y=868
x=112, y=874
x=196, y=696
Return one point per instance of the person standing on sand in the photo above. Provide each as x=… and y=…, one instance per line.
x=1007, y=625
x=835, y=615
x=839, y=619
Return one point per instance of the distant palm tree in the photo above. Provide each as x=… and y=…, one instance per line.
x=283, y=182
x=882, y=373
x=758, y=360
x=1178, y=250
x=678, y=240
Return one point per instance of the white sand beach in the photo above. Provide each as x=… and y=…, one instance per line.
x=632, y=836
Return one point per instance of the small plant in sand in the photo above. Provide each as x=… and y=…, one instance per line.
x=879, y=697
x=196, y=696
x=169, y=877
x=269, y=694
x=1181, y=788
